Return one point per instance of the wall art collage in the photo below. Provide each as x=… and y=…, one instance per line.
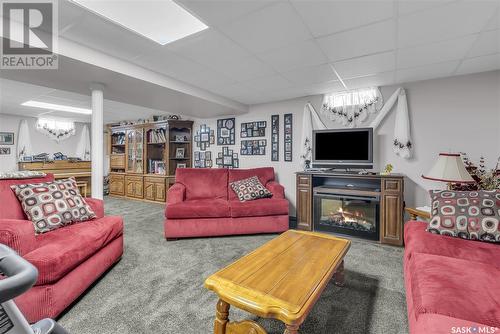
x=253, y=147
x=226, y=131
x=253, y=129
x=203, y=159
x=227, y=158
x=204, y=137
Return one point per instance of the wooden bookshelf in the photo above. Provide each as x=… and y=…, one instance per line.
x=143, y=157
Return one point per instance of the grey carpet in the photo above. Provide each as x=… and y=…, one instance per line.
x=157, y=287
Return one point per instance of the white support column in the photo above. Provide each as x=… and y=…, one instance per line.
x=97, y=140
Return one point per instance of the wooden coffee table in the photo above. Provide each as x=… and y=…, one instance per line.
x=282, y=279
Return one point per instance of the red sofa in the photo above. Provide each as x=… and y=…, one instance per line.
x=201, y=203
x=68, y=259
x=452, y=285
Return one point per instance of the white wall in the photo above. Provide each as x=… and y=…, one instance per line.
x=458, y=114
x=40, y=143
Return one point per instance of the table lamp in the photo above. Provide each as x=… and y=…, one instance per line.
x=449, y=168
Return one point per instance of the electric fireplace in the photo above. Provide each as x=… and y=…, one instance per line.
x=347, y=214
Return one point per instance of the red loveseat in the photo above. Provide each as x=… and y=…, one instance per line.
x=201, y=203
x=452, y=285
x=68, y=259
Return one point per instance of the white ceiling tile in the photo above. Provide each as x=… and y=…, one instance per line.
x=208, y=47
x=311, y=75
x=480, y=64
x=327, y=17
x=381, y=79
x=359, y=42
x=488, y=42
x=426, y=72
x=215, y=12
x=444, y=22
x=100, y=34
x=435, y=52
x=494, y=22
x=267, y=83
x=367, y=65
x=304, y=53
x=410, y=6
x=219, y=53
x=268, y=28
x=322, y=88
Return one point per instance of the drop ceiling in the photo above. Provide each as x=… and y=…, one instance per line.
x=14, y=93
x=258, y=51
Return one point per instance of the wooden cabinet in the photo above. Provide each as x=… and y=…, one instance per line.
x=391, y=213
x=145, y=157
x=135, y=151
x=304, y=202
x=134, y=186
x=117, y=184
x=154, y=188
x=117, y=161
x=388, y=188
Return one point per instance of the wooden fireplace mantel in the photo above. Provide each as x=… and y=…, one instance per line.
x=391, y=200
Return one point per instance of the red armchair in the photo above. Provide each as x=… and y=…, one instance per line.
x=68, y=259
x=201, y=203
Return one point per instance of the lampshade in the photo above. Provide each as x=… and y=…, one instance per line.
x=449, y=168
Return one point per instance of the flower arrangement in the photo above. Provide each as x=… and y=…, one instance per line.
x=486, y=179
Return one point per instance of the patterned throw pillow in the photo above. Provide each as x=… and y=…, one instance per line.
x=250, y=189
x=473, y=215
x=52, y=205
x=25, y=174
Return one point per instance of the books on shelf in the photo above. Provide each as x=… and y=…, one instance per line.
x=157, y=136
x=118, y=139
x=156, y=166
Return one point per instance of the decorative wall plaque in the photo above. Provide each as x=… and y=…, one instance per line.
x=288, y=125
x=275, y=132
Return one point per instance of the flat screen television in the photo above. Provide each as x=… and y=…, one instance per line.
x=343, y=148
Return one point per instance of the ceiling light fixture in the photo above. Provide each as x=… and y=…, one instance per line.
x=162, y=21
x=58, y=107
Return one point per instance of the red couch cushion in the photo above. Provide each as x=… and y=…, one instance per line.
x=202, y=208
x=259, y=207
x=203, y=183
x=456, y=288
x=265, y=174
x=418, y=240
x=60, y=251
x=11, y=208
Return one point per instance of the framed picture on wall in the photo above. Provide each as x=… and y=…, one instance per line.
x=226, y=131
x=4, y=150
x=6, y=138
x=288, y=127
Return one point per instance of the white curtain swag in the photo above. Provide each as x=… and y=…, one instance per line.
x=351, y=108
x=57, y=130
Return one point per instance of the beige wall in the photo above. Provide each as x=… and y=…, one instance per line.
x=40, y=143
x=459, y=114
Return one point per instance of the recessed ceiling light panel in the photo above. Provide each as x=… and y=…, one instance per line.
x=163, y=21
x=58, y=107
